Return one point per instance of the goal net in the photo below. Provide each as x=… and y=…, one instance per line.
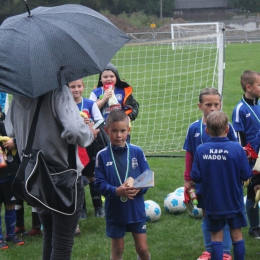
x=167, y=77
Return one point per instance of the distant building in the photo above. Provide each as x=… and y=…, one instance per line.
x=199, y=4
x=200, y=10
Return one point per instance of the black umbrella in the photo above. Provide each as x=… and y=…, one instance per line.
x=52, y=46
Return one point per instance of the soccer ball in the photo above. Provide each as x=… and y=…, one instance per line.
x=180, y=191
x=173, y=203
x=152, y=211
x=196, y=212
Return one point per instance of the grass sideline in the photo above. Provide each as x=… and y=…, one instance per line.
x=173, y=237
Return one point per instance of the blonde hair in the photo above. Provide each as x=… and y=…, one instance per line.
x=208, y=91
x=248, y=77
x=217, y=121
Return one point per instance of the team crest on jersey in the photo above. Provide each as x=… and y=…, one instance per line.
x=119, y=97
x=134, y=163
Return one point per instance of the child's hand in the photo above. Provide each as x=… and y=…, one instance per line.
x=85, y=117
x=94, y=131
x=108, y=94
x=86, y=120
x=256, y=187
x=9, y=144
x=188, y=184
x=125, y=191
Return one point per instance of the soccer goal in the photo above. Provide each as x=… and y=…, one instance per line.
x=167, y=77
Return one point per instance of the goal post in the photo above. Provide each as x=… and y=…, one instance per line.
x=166, y=83
x=187, y=32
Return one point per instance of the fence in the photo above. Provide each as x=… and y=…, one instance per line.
x=232, y=36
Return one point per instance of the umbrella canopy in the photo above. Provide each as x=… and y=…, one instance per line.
x=54, y=46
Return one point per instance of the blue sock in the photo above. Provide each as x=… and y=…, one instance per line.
x=227, y=242
x=239, y=250
x=216, y=250
x=206, y=235
x=252, y=213
x=1, y=232
x=10, y=220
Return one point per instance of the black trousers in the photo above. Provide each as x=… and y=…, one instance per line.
x=58, y=230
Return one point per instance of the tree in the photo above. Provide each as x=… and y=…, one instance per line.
x=116, y=7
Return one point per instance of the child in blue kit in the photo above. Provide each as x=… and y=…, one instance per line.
x=209, y=100
x=124, y=206
x=246, y=122
x=122, y=90
x=8, y=170
x=221, y=166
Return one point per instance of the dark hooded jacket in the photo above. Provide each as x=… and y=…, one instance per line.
x=129, y=101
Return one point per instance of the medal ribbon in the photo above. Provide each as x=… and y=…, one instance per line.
x=81, y=104
x=127, y=167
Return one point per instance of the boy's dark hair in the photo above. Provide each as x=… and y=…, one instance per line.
x=217, y=121
x=116, y=116
x=208, y=91
x=248, y=77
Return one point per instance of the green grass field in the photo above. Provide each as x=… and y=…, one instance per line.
x=173, y=237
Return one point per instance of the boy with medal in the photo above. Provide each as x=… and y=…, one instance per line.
x=246, y=122
x=124, y=206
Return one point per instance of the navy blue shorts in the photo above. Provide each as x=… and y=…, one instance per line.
x=118, y=231
x=215, y=225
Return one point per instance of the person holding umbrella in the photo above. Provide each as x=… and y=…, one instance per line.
x=59, y=124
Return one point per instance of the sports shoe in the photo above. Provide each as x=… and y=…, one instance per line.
x=99, y=212
x=254, y=232
x=33, y=232
x=77, y=231
x=19, y=230
x=15, y=239
x=227, y=257
x=205, y=256
x=3, y=245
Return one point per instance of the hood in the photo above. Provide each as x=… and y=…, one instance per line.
x=119, y=83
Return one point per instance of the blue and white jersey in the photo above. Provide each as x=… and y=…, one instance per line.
x=105, y=110
x=246, y=118
x=106, y=181
x=220, y=165
x=90, y=108
x=197, y=135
